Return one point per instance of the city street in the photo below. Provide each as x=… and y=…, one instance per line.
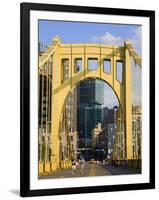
x=91, y=170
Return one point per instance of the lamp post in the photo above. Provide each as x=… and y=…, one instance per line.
x=116, y=134
x=41, y=45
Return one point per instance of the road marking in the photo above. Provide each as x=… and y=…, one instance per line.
x=92, y=171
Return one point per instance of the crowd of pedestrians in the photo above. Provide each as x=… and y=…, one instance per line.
x=81, y=162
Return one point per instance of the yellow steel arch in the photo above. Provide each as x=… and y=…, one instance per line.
x=60, y=89
x=92, y=78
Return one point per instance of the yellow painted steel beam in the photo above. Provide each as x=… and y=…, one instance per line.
x=133, y=53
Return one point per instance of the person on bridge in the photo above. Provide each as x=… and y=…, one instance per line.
x=74, y=166
x=82, y=162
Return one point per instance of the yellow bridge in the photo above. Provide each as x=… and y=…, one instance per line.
x=61, y=74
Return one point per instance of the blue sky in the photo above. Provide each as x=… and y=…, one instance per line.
x=83, y=32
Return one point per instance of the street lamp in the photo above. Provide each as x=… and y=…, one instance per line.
x=115, y=116
x=43, y=45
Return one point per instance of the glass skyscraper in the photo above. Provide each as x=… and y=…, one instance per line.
x=90, y=98
x=90, y=91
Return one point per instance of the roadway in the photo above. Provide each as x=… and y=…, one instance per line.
x=91, y=170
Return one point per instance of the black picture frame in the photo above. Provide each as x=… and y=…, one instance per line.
x=25, y=9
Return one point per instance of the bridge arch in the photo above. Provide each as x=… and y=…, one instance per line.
x=92, y=78
x=61, y=89
x=66, y=127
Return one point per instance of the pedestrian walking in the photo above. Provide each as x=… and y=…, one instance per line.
x=74, y=164
x=82, y=162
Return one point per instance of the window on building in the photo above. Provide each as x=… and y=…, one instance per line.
x=71, y=138
x=92, y=64
x=107, y=66
x=119, y=71
x=68, y=114
x=78, y=65
x=69, y=122
x=65, y=69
